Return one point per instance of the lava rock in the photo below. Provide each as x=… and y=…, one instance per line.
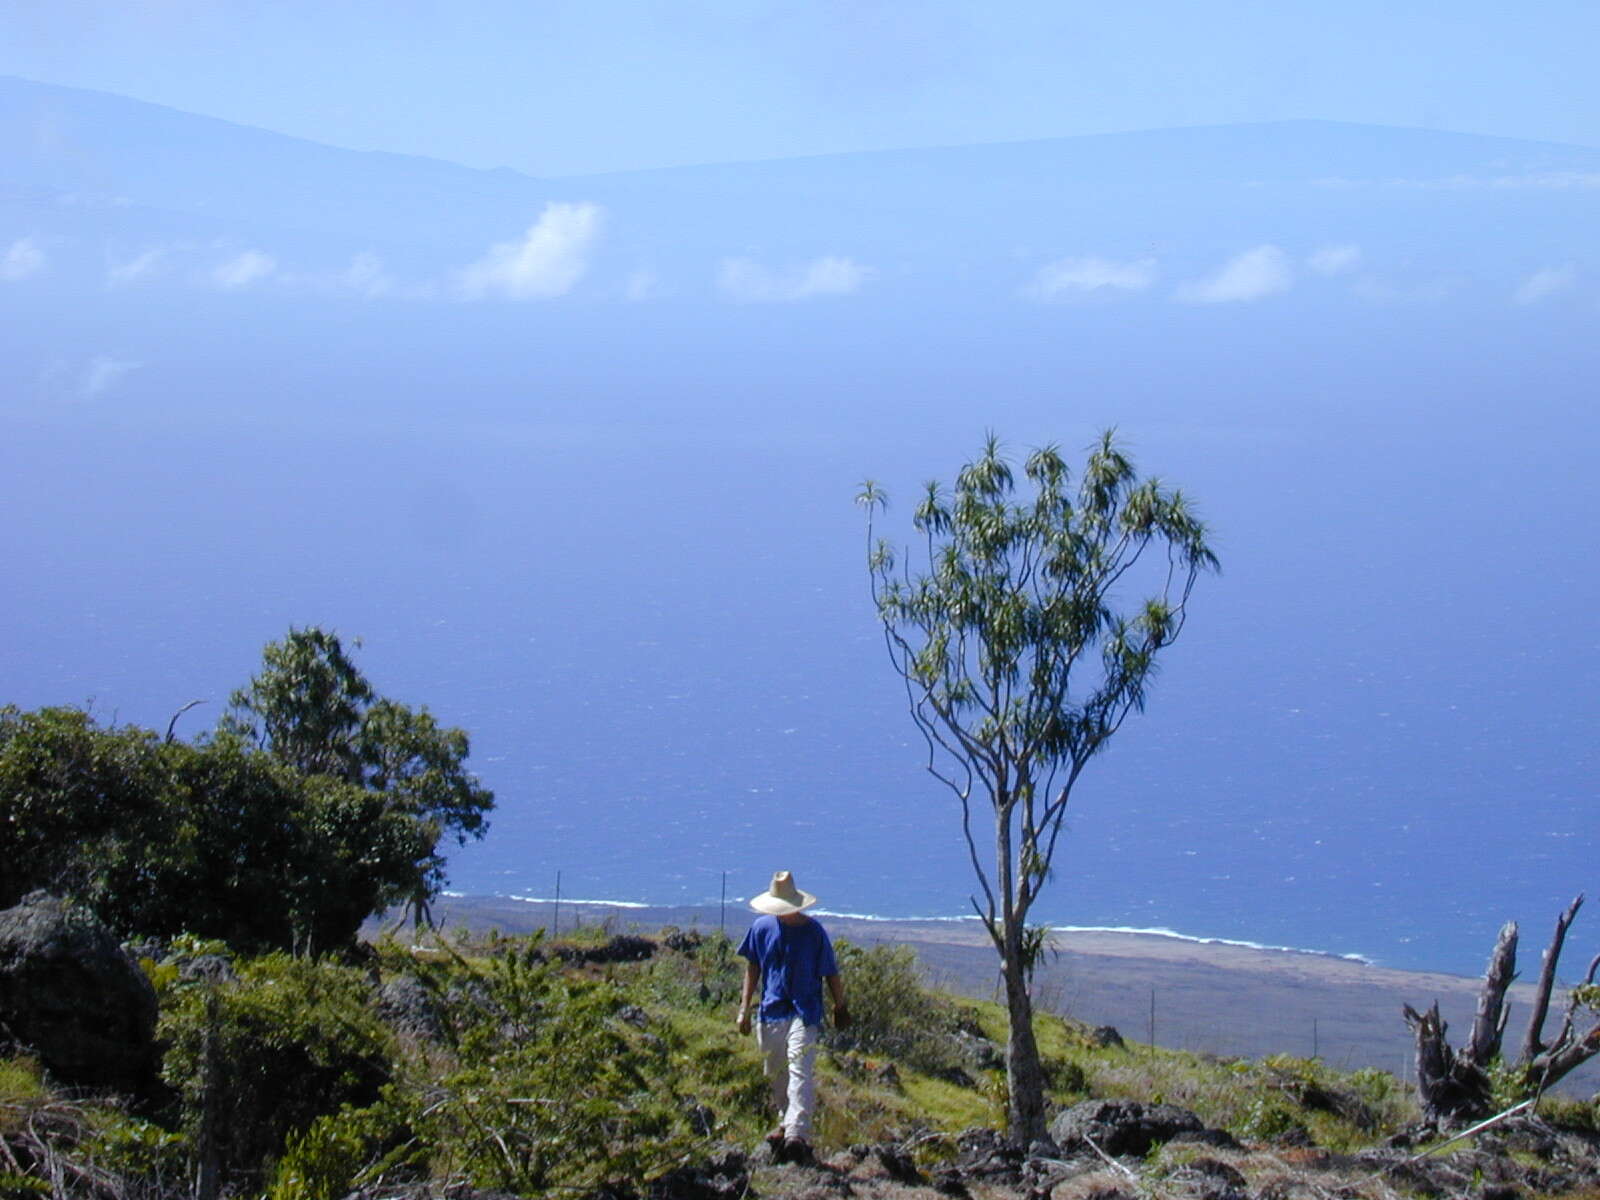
x=622, y=947
x=75, y=997
x=1211, y=1179
x=1121, y=1126
x=724, y=1173
x=408, y=1007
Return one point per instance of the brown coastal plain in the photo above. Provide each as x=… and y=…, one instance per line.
x=1207, y=997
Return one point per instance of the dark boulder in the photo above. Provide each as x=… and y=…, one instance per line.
x=619, y=948
x=978, y=1051
x=1211, y=1179
x=73, y=996
x=986, y=1156
x=1121, y=1126
x=724, y=1174
x=408, y=1007
x=1219, y=1139
x=683, y=941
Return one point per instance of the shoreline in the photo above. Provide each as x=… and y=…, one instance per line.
x=1209, y=996
x=873, y=918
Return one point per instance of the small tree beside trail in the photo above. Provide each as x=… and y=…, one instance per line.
x=1020, y=661
x=1455, y=1085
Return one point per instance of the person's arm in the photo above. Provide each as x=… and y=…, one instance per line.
x=752, y=980
x=841, y=1010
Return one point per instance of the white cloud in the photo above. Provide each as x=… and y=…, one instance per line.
x=69, y=381
x=642, y=285
x=546, y=262
x=1334, y=260
x=1252, y=275
x=102, y=374
x=139, y=267
x=1085, y=276
x=244, y=269
x=746, y=280
x=22, y=258
x=366, y=277
x=1551, y=281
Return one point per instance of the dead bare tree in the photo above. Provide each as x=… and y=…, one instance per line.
x=1456, y=1085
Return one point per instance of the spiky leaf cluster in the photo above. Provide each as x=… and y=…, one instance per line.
x=1019, y=653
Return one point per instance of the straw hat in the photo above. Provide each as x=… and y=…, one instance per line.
x=782, y=897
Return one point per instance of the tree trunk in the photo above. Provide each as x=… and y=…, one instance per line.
x=1454, y=1086
x=1024, y=1074
x=1449, y=1086
x=1489, y=1026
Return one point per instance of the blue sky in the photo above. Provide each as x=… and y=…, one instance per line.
x=571, y=86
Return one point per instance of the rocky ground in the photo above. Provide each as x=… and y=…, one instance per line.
x=1118, y=1150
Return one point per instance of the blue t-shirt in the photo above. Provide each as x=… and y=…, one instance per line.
x=793, y=960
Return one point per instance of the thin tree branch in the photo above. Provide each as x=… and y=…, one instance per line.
x=1532, y=1042
x=172, y=724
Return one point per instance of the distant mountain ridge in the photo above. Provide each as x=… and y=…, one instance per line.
x=83, y=144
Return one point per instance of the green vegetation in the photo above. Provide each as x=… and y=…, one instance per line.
x=1020, y=667
x=254, y=845
x=529, y=1067
x=314, y=711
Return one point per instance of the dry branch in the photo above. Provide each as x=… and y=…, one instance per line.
x=1533, y=1044
x=1454, y=1085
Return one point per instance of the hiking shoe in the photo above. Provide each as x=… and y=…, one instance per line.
x=797, y=1151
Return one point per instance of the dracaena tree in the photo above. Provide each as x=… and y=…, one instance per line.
x=1021, y=658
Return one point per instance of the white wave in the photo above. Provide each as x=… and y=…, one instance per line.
x=1145, y=931
x=849, y=916
x=1209, y=941
x=1137, y=930
x=573, y=900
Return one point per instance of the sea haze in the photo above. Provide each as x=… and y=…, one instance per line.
x=575, y=459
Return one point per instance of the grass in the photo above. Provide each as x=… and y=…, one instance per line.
x=21, y=1081
x=916, y=1077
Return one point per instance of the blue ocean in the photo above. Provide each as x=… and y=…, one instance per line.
x=1375, y=737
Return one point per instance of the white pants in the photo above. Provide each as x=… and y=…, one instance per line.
x=789, y=1057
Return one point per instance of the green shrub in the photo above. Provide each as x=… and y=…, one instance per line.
x=1266, y=1120
x=893, y=1013
x=706, y=973
x=256, y=1059
x=134, y=1148
x=22, y=1187
x=21, y=1080
x=352, y=1148
x=1569, y=1112
x=555, y=1086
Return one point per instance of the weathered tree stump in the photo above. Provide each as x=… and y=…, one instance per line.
x=1456, y=1085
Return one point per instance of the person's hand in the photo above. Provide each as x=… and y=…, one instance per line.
x=744, y=1020
x=841, y=1016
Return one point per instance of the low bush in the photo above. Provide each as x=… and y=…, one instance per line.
x=559, y=1082
x=262, y=1056
x=351, y=1149
x=893, y=1012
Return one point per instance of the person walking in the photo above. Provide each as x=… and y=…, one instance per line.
x=788, y=959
